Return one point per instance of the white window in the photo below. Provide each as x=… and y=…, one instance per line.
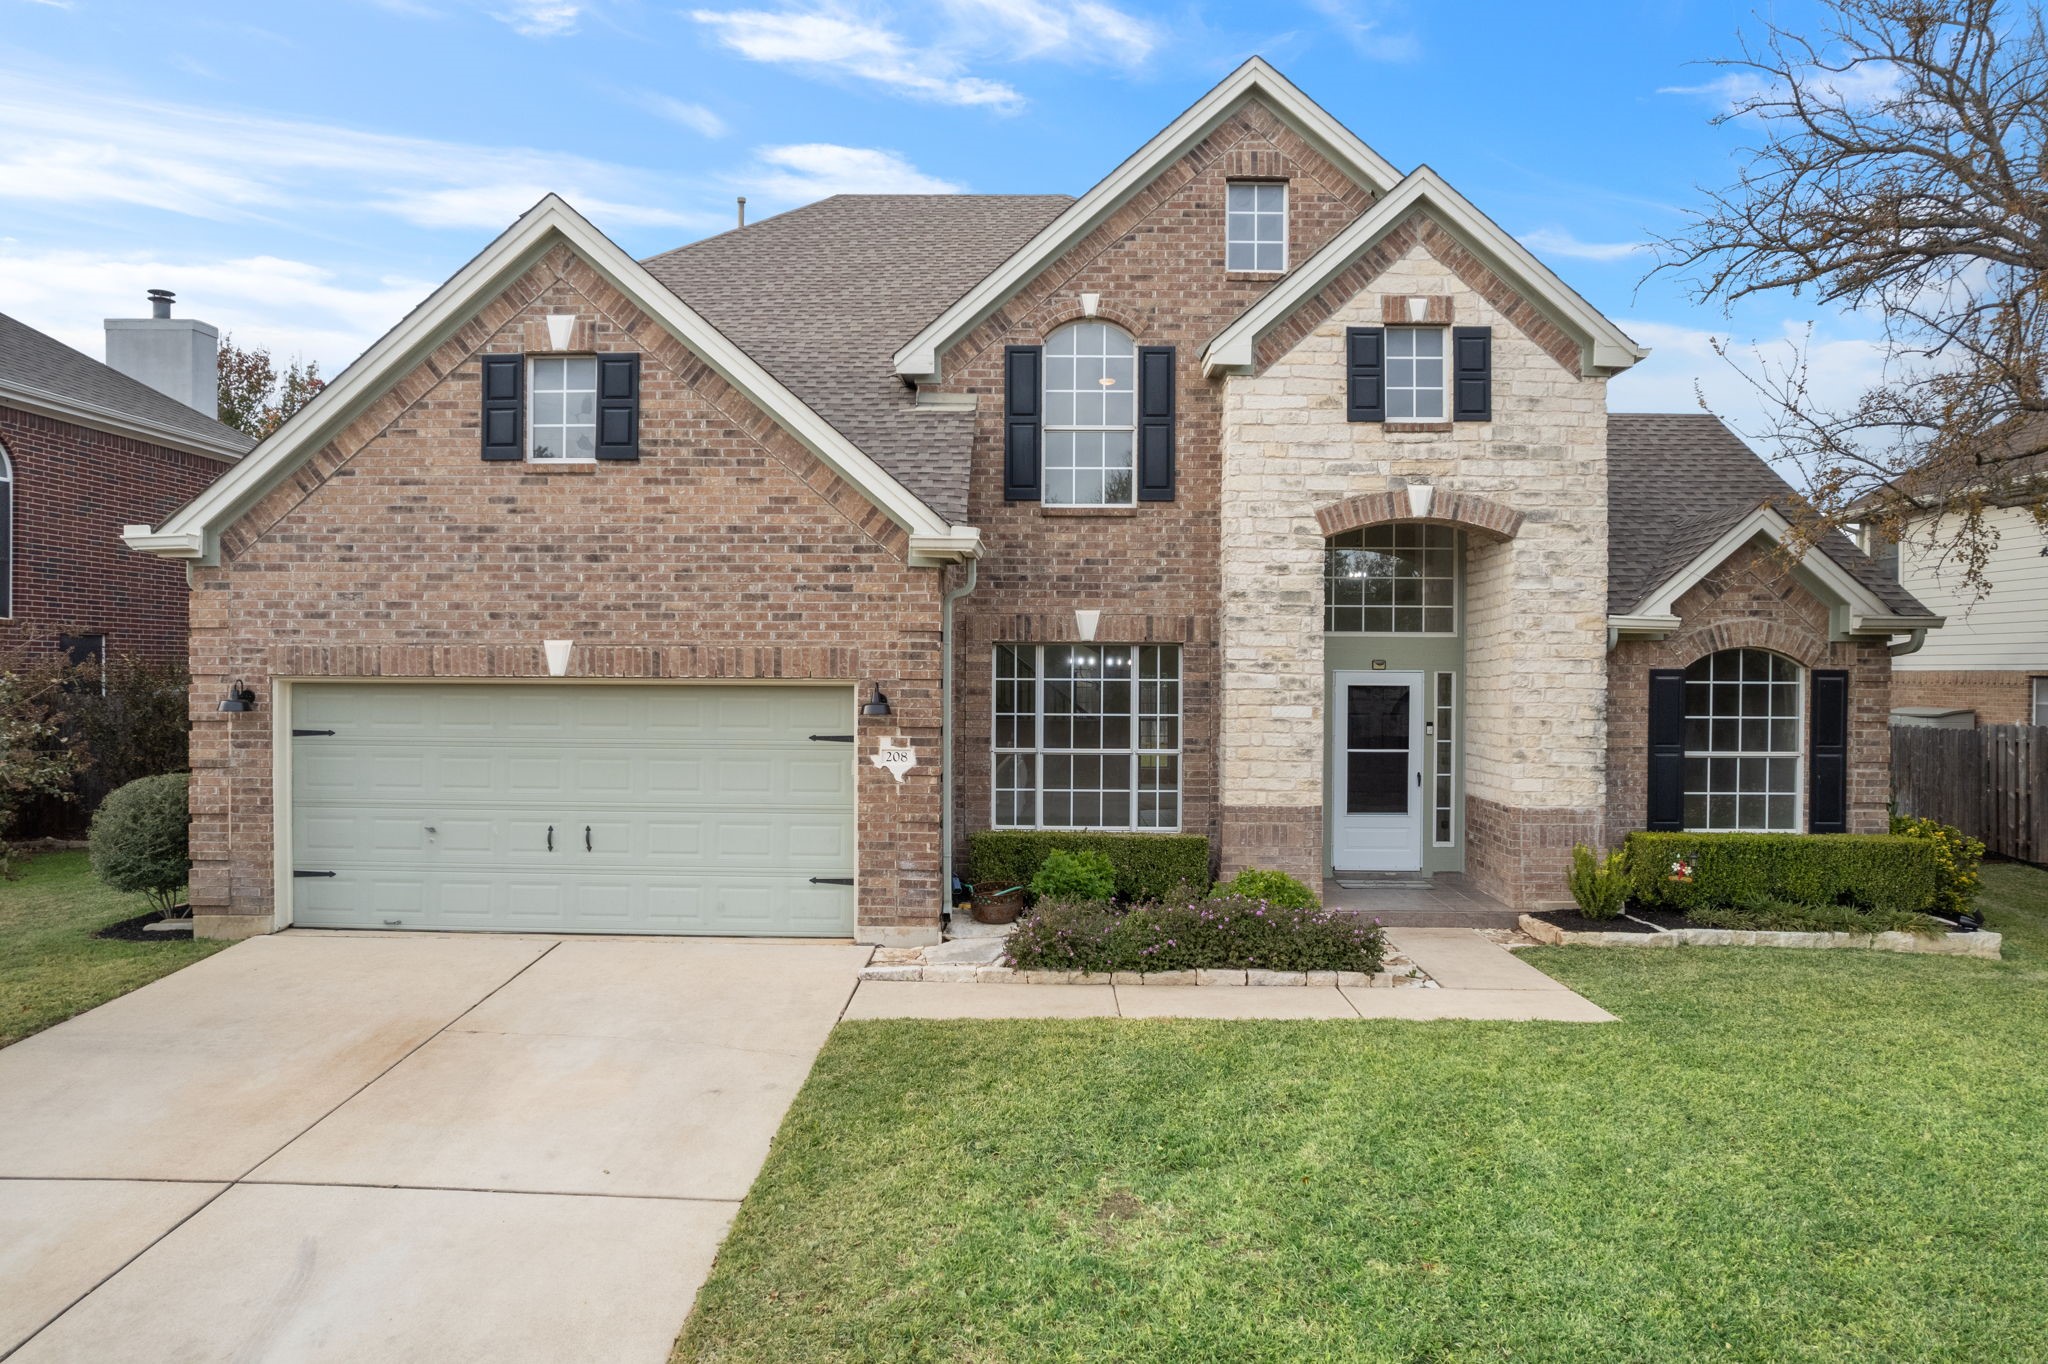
x=2041, y=700
x=1091, y=416
x=6, y=535
x=1415, y=374
x=1256, y=227
x=563, y=408
x=1400, y=579
x=1742, y=711
x=1087, y=736
x=1445, y=729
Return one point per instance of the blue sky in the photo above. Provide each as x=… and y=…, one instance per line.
x=302, y=173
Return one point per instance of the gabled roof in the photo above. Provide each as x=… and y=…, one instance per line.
x=193, y=531
x=1607, y=348
x=41, y=374
x=1684, y=492
x=919, y=357
x=823, y=295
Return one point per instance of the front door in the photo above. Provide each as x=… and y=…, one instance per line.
x=1377, y=739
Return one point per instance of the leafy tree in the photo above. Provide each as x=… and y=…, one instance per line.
x=37, y=756
x=253, y=397
x=1902, y=172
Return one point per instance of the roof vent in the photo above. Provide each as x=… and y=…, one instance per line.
x=160, y=301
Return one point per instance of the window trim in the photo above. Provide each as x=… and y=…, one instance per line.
x=533, y=361
x=1286, y=225
x=1037, y=751
x=7, y=489
x=1442, y=738
x=2038, y=709
x=1048, y=428
x=1457, y=586
x=1443, y=357
x=1802, y=697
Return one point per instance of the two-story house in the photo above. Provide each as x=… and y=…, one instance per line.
x=1265, y=491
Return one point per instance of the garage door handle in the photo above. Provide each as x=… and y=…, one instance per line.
x=831, y=880
x=586, y=838
x=312, y=873
x=310, y=733
x=551, y=838
x=831, y=738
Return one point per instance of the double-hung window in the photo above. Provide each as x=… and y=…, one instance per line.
x=564, y=406
x=1415, y=374
x=1087, y=736
x=1255, y=226
x=1091, y=416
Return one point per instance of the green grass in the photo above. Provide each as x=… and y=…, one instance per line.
x=1827, y=1156
x=51, y=966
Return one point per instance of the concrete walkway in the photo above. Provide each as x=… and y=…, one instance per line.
x=1476, y=979
x=397, y=1147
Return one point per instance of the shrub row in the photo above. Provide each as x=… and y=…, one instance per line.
x=1885, y=873
x=1226, y=934
x=1148, y=866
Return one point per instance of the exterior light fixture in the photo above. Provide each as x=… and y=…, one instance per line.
x=240, y=698
x=878, y=704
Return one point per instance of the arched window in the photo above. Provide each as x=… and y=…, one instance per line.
x=1742, y=709
x=6, y=535
x=1091, y=416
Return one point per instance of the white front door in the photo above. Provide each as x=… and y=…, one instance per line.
x=1376, y=737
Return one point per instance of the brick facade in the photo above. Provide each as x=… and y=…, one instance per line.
x=74, y=490
x=1750, y=602
x=2000, y=697
x=725, y=552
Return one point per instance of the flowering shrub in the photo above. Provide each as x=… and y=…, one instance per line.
x=1956, y=858
x=1224, y=933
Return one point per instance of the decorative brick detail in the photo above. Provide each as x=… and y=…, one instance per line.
x=1396, y=312
x=1285, y=838
x=1257, y=163
x=1466, y=511
x=1752, y=601
x=1520, y=854
x=1999, y=698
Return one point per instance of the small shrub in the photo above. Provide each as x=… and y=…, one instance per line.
x=1782, y=916
x=1273, y=887
x=1225, y=933
x=1148, y=866
x=1881, y=872
x=138, y=839
x=1956, y=859
x=1599, y=888
x=1075, y=876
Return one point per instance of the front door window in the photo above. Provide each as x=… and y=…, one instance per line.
x=1376, y=758
x=1377, y=739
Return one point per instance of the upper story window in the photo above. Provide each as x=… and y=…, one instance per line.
x=6, y=535
x=1091, y=416
x=564, y=405
x=1415, y=374
x=1400, y=579
x=1255, y=230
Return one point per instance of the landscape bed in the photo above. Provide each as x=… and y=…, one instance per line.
x=1566, y=930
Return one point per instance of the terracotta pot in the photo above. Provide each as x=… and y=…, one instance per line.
x=997, y=904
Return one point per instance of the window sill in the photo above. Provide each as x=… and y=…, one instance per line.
x=1044, y=510
x=1254, y=276
x=561, y=466
x=1419, y=428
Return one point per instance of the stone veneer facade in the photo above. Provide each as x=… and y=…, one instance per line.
x=1535, y=605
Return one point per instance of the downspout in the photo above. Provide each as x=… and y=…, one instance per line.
x=946, y=739
x=1911, y=646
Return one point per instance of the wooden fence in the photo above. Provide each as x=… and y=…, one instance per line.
x=1990, y=782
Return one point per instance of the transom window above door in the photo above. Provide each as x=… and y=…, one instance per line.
x=1415, y=374
x=1087, y=736
x=564, y=400
x=1091, y=416
x=1256, y=226
x=1399, y=579
x=1742, y=714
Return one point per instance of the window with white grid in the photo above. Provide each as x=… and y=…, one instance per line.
x=1255, y=226
x=1091, y=416
x=564, y=405
x=1087, y=736
x=1399, y=579
x=1415, y=374
x=1443, y=826
x=1742, y=709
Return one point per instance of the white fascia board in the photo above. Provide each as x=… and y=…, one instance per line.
x=146, y=541
x=919, y=358
x=44, y=403
x=956, y=545
x=1821, y=572
x=448, y=308
x=1605, y=347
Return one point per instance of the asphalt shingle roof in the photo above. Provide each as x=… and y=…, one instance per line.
x=823, y=296
x=1676, y=482
x=31, y=360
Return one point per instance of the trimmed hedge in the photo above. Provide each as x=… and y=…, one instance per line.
x=1225, y=934
x=1881, y=872
x=1148, y=866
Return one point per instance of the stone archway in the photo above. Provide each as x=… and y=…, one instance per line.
x=1424, y=503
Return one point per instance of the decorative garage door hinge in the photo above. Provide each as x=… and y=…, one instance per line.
x=314, y=873
x=831, y=738
x=831, y=880
x=309, y=733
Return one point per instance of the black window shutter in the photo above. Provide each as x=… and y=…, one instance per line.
x=504, y=406
x=1827, y=791
x=1666, y=810
x=1023, y=421
x=1365, y=373
x=1472, y=374
x=1155, y=423
x=618, y=407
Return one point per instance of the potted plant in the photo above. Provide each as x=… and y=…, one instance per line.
x=996, y=904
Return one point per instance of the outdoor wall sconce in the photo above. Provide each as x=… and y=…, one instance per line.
x=240, y=698
x=877, y=705
x=557, y=651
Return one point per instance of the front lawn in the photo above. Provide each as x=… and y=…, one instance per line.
x=51, y=965
x=1773, y=1156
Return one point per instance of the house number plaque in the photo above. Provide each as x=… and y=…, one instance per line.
x=896, y=757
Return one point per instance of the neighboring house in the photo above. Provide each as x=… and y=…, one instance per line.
x=86, y=449
x=1264, y=492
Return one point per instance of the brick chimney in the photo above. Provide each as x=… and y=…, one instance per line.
x=177, y=356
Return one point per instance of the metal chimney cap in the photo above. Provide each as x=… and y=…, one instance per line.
x=160, y=301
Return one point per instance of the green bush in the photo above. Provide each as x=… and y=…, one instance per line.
x=1083, y=875
x=1273, y=887
x=1879, y=872
x=1956, y=859
x=1782, y=916
x=1599, y=888
x=138, y=839
x=1226, y=933
x=1148, y=866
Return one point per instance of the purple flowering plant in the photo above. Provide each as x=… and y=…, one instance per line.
x=1224, y=932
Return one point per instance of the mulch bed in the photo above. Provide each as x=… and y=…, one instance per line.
x=1571, y=921
x=130, y=930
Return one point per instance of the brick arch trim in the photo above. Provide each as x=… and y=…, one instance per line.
x=1467, y=511
x=1051, y=321
x=1801, y=646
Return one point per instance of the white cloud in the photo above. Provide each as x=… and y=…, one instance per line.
x=692, y=116
x=1552, y=242
x=541, y=18
x=73, y=146
x=1080, y=32
x=837, y=40
x=1367, y=32
x=1859, y=87
x=814, y=170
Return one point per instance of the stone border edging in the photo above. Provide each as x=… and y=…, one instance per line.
x=1981, y=944
x=1006, y=975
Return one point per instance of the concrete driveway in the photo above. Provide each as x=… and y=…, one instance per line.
x=398, y=1147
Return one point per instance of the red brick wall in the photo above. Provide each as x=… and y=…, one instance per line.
x=1153, y=571
x=1999, y=698
x=1750, y=602
x=74, y=489
x=726, y=551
